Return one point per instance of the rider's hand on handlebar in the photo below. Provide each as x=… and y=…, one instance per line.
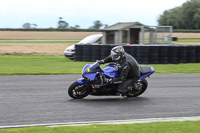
x=100, y=61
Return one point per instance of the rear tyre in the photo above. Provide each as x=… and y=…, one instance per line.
x=141, y=88
x=78, y=91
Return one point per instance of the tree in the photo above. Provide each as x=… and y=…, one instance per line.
x=97, y=25
x=62, y=24
x=196, y=20
x=34, y=25
x=186, y=16
x=26, y=26
x=29, y=26
x=75, y=27
x=105, y=25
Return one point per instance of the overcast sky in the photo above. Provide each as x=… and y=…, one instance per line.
x=46, y=13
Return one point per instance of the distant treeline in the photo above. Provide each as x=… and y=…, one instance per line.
x=49, y=29
x=186, y=16
x=87, y=30
x=186, y=31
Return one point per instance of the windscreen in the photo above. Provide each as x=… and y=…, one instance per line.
x=91, y=39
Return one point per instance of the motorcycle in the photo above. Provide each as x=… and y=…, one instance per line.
x=92, y=82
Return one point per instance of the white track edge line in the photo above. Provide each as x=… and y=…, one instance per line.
x=130, y=121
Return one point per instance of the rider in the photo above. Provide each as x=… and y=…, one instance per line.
x=128, y=72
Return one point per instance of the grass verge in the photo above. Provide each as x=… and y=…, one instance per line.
x=187, y=40
x=156, y=127
x=50, y=64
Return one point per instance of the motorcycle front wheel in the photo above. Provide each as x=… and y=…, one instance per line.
x=141, y=88
x=78, y=91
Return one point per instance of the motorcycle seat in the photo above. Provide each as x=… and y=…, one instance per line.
x=145, y=69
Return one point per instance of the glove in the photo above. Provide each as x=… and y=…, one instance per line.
x=100, y=61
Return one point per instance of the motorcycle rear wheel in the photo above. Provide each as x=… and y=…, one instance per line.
x=78, y=91
x=139, y=91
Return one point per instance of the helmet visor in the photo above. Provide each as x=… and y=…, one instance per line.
x=114, y=56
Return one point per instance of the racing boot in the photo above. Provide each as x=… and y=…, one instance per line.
x=123, y=92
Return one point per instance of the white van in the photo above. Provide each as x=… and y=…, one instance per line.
x=92, y=39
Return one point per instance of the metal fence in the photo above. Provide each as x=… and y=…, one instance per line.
x=156, y=35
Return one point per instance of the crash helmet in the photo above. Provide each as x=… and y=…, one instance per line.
x=117, y=53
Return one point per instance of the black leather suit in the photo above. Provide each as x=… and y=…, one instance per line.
x=128, y=73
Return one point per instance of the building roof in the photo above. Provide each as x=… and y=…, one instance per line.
x=122, y=25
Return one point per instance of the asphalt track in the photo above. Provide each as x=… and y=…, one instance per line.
x=38, y=99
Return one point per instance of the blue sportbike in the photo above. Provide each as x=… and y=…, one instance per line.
x=92, y=82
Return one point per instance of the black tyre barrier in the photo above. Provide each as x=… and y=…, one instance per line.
x=78, y=52
x=198, y=53
x=182, y=54
x=128, y=49
x=133, y=51
x=144, y=54
x=163, y=55
x=191, y=54
x=105, y=50
x=174, y=38
x=87, y=50
x=172, y=54
x=96, y=52
x=153, y=54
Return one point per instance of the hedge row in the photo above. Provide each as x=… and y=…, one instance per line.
x=49, y=29
x=144, y=54
x=86, y=30
x=186, y=31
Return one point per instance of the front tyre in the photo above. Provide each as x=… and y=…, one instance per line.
x=141, y=88
x=78, y=91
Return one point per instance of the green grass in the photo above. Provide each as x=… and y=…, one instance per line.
x=187, y=40
x=179, y=41
x=38, y=64
x=50, y=64
x=39, y=41
x=177, y=68
x=156, y=127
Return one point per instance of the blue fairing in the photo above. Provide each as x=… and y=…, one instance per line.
x=110, y=72
x=85, y=67
x=90, y=75
x=82, y=81
x=91, y=70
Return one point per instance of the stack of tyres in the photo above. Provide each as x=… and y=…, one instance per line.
x=78, y=52
x=191, y=54
x=87, y=49
x=163, y=54
x=105, y=51
x=134, y=51
x=182, y=54
x=96, y=52
x=127, y=49
x=198, y=53
x=173, y=54
x=135, y=48
x=154, y=54
x=143, y=54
